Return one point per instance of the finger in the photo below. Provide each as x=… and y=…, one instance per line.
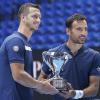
x=61, y=94
x=49, y=80
x=66, y=96
x=69, y=86
x=64, y=92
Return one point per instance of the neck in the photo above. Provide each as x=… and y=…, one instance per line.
x=74, y=47
x=25, y=30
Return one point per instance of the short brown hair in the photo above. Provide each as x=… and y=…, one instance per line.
x=24, y=7
x=71, y=19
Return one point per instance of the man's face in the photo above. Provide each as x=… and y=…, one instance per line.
x=32, y=19
x=78, y=31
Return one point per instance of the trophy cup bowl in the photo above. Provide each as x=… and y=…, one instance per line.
x=55, y=61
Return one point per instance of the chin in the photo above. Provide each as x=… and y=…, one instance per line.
x=81, y=42
x=33, y=29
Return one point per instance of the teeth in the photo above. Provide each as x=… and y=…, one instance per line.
x=82, y=36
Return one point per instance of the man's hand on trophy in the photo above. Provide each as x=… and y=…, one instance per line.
x=68, y=92
x=68, y=86
x=46, y=88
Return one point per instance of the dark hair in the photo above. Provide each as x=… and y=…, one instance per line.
x=74, y=17
x=25, y=6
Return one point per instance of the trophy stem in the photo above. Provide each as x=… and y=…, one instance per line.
x=57, y=75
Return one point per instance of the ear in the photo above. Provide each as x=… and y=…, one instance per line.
x=22, y=17
x=67, y=31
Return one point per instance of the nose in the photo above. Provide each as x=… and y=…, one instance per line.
x=84, y=32
x=38, y=20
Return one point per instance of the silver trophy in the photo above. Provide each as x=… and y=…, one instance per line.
x=56, y=61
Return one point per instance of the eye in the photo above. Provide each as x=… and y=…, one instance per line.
x=79, y=29
x=36, y=16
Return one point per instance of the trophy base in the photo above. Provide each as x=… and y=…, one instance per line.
x=60, y=84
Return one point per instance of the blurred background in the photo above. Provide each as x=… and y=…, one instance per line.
x=54, y=14
x=51, y=32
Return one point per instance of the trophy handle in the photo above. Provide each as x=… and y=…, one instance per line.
x=48, y=62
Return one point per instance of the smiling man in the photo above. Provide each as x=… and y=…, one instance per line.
x=81, y=71
x=16, y=70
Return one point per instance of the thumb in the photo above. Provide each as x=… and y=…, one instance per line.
x=49, y=80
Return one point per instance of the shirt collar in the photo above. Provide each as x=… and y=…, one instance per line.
x=79, y=51
x=22, y=35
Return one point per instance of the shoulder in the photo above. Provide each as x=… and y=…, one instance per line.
x=12, y=42
x=13, y=39
x=91, y=51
